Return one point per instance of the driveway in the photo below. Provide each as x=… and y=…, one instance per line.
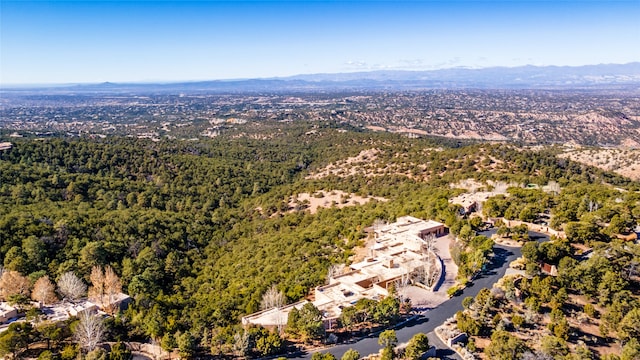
x=431, y=319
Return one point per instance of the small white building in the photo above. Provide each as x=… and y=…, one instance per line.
x=119, y=301
x=272, y=317
x=7, y=312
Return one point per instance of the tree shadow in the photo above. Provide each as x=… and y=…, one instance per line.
x=539, y=237
x=500, y=256
x=446, y=354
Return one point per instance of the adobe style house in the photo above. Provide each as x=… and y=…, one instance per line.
x=398, y=251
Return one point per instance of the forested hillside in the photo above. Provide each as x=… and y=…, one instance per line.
x=198, y=231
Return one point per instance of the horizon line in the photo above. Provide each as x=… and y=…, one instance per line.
x=290, y=77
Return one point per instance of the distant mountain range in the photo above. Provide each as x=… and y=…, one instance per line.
x=524, y=77
x=497, y=76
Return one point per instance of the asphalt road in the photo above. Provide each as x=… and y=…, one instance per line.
x=431, y=319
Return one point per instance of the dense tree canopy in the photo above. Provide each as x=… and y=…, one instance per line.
x=197, y=232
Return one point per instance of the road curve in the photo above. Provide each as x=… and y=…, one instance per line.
x=435, y=317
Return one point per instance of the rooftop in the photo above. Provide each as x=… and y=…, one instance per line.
x=399, y=250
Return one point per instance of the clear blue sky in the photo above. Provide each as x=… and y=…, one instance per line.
x=95, y=41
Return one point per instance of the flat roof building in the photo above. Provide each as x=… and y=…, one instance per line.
x=400, y=248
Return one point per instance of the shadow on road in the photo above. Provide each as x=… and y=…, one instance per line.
x=446, y=354
x=500, y=256
x=497, y=262
x=417, y=321
x=442, y=276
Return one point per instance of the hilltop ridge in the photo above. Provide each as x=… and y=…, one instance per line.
x=521, y=77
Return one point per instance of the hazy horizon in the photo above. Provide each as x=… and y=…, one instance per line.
x=187, y=81
x=47, y=42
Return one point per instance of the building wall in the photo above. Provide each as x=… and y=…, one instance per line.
x=5, y=315
x=435, y=231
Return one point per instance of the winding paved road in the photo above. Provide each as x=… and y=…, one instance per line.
x=435, y=317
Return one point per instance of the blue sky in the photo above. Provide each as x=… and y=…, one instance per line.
x=95, y=41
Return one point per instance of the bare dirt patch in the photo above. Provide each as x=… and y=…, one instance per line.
x=474, y=186
x=625, y=162
x=506, y=241
x=361, y=252
x=369, y=164
x=348, y=166
x=326, y=199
